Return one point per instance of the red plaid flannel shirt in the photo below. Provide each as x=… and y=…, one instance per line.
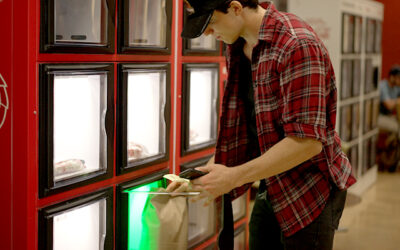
x=294, y=95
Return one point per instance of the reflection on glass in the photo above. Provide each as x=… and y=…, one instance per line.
x=203, y=43
x=378, y=36
x=348, y=36
x=146, y=123
x=355, y=121
x=143, y=220
x=81, y=228
x=240, y=241
x=239, y=207
x=345, y=123
x=354, y=159
x=78, y=21
x=80, y=140
x=357, y=34
x=147, y=23
x=367, y=115
x=356, y=77
x=201, y=221
x=203, y=100
x=346, y=85
x=370, y=35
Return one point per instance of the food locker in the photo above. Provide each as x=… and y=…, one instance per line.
x=82, y=223
x=145, y=26
x=76, y=110
x=204, y=222
x=77, y=26
x=200, y=105
x=144, y=115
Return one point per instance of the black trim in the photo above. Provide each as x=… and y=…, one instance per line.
x=45, y=217
x=123, y=32
x=121, y=228
x=196, y=163
x=48, y=45
x=185, y=148
x=46, y=130
x=122, y=164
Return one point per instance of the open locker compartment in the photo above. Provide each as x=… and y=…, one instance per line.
x=77, y=26
x=76, y=125
x=85, y=222
x=142, y=223
x=144, y=115
x=200, y=104
x=202, y=220
x=145, y=26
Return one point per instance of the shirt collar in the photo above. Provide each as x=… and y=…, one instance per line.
x=268, y=22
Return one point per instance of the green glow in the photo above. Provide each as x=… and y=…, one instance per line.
x=143, y=221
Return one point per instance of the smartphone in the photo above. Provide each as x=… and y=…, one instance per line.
x=191, y=174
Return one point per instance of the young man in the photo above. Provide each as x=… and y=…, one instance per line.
x=277, y=124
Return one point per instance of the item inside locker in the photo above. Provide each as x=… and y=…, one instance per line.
x=137, y=151
x=68, y=166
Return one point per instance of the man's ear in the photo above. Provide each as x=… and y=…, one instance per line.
x=236, y=7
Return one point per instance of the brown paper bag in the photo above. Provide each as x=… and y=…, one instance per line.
x=172, y=212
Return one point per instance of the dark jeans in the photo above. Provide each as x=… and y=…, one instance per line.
x=265, y=232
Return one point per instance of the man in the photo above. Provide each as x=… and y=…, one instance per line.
x=389, y=100
x=277, y=125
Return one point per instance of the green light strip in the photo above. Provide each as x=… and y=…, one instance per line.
x=143, y=221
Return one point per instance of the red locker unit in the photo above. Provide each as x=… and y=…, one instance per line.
x=95, y=106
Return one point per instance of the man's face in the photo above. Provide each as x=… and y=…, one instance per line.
x=224, y=27
x=395, y=80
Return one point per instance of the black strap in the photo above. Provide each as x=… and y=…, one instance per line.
x=226, y=235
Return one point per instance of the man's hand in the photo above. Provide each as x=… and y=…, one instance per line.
x=218, y=181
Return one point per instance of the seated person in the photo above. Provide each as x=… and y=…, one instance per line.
x=389, y=100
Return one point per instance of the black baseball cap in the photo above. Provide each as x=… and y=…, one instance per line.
x=196, y=23
x=394, y=70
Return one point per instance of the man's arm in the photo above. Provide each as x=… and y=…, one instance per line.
x=390, y=104
x=283, y=156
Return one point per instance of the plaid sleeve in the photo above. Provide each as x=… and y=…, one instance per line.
x=303, y=83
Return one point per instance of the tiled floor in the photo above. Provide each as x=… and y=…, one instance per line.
x=374, y=223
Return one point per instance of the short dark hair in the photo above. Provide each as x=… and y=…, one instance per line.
x=252, y=4
x=394, y=70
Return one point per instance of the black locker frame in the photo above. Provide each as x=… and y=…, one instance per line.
x=187, y=51
x=123, y=32
x=46, y=127
x=47, y=43
x=121, y=227
x=45, y=223
x=185, y=147
x=122, y=164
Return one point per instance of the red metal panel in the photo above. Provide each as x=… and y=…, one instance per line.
x=5, y=124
